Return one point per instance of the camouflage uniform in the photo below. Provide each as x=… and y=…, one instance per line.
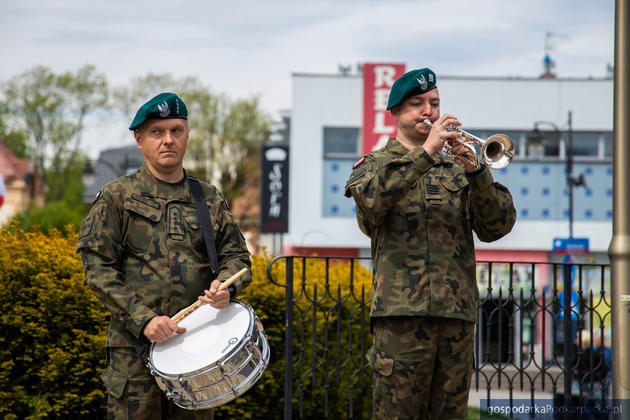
x=144, y=255
x=420, y=212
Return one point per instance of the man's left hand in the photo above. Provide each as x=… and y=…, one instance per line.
x=460, y=150
x=217, y=298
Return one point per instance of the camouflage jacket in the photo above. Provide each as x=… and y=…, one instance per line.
x=420, y=212
x=143, y=250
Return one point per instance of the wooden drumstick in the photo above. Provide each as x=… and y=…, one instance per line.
x=190, y=309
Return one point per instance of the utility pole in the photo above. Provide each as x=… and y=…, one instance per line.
x=619, y=250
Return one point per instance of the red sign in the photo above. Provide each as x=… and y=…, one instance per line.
x=378, y=123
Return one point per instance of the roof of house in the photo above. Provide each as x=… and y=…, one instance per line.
x=11, y=166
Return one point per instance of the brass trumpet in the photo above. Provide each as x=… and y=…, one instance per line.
x=497, y=151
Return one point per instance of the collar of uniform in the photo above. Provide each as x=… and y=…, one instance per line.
x=179, y=191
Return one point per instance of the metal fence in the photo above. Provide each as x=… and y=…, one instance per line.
x=532, y=342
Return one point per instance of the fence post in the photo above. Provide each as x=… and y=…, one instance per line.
x=568, y=333
x=288, y=342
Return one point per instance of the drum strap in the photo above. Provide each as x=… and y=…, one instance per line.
x=206, y=227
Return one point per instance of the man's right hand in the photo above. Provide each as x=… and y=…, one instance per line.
x=161, y=328
x=440, y=133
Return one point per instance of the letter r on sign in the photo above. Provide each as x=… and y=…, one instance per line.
x=384, y=76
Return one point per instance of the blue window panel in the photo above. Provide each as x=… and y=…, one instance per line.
x=503, y=170
x=589, y=171
x=545, y=213
x=609, y=171
x=588, y=213
x=547, y=189
x=524, y=170
x=609, y=214
x=566, y=213
x=334, y=204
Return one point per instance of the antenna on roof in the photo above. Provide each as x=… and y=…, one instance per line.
x=548, y=63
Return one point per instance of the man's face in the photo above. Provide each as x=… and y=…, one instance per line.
x=411, y=113
x=163, y=144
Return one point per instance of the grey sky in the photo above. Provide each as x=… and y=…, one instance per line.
x=249, y=47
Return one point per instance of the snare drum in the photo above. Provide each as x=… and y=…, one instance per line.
x=220, y=356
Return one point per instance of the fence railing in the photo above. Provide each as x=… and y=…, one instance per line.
x=531, y=340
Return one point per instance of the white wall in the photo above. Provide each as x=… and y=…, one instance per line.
x=516, y=103
x=319, y=101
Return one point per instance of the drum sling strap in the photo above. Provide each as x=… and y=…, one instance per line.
x=206, y=227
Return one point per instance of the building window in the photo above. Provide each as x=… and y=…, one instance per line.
x=341, y=142
x=543, y=143
x=585, y=144
x=341, y=150
x=607, y=138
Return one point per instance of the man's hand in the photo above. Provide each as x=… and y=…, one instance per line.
x=440, y=133
x=217, y=298
x=160, y=328
x=466, y=156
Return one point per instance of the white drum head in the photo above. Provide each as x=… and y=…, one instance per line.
x=210, y=335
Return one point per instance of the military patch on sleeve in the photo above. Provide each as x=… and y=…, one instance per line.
x=358, y=162
x=86, y=227
x=96, y=197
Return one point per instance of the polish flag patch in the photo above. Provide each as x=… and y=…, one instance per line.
x=358, y=162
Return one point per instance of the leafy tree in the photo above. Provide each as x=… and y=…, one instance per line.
x=225, y=137
x=15, y=140
x=51, y=108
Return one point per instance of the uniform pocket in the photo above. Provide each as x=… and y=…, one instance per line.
x=380, y=362
x=454, y=184
x=144, y=214
x=195, y=233
x=457, y=192
x=115, y=382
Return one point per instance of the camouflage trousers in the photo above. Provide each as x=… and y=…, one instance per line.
x=133, y=393
x=422, y=367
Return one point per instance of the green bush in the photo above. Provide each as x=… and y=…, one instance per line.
x=53, y=329
x=53, y=215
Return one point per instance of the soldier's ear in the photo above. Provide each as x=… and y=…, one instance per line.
x=136, y=135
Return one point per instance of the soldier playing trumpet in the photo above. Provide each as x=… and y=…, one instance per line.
x=420, y=209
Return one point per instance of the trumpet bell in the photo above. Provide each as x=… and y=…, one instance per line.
x=497, y=151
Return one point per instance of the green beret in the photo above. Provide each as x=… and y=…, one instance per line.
x=162, y=106
x=413, y=82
